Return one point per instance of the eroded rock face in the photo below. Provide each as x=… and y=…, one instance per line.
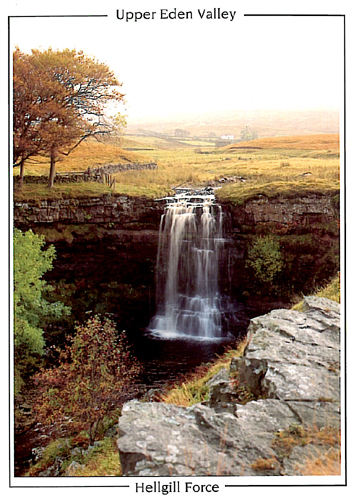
x=304, y=210
x=301, y=351
x=291, y=364
x=120, y=210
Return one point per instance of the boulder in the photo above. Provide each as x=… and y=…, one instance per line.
x=73, y=468
x=291, y=367
x=301, y=351
x=166, y=440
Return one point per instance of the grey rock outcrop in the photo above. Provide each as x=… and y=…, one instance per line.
x=291, y=365
x=120, y=210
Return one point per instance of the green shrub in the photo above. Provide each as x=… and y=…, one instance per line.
x=265, y=259
x=54, y=455
x=30, y=263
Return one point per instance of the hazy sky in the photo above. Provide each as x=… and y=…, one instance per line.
x=198, y=65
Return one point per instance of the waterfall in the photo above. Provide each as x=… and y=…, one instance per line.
x=190, y=239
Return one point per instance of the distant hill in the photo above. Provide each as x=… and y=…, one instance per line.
x=328, y=142
x=266, y=123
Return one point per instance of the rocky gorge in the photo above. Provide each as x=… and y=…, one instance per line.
x=291, y=366
x=106, y=249
x=306, y=227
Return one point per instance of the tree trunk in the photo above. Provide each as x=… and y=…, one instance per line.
x=93, y=430
x=22, y=170
x=52, y=170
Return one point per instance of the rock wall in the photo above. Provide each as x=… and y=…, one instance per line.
x=278, y=212
x=291, y=365
x=304, y=210
x=119, y=210
x=307, y=231
x=97, y=174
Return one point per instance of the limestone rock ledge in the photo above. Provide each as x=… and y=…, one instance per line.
x=291, y=364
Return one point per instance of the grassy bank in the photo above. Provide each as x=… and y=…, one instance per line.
x=271, y=170
x=194, y=388
x=330, y=291
x=38, y=192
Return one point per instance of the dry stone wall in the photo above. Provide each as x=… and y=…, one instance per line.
x=98, y=174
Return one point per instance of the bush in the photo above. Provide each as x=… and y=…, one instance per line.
x=31, y=262
x=265, y=258
x=87, y=385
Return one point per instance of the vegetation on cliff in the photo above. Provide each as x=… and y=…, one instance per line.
x=31, y=309
x=265, y=259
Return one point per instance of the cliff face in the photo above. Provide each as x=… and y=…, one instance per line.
x=307, y=231
x=106, y=251
x=106, y=257
x=107, y=247
x=123, y=210
x=292, y=367
x=117, y=210
x=303, y=211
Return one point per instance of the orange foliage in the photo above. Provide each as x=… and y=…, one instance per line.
x=93, y=374
x=324, y=464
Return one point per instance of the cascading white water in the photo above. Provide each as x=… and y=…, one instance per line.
x=187, y=266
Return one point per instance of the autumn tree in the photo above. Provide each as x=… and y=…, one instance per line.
x=247, y=134
x=182, y=133
x=93, y=375
x=70, y=100
x=33, y=106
